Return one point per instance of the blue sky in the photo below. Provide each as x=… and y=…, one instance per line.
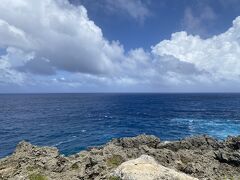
x=164, y=18
x=119, y=46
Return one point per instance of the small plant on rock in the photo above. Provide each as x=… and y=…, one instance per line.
x=38, y=176
x=114, y=178
x=114, y=161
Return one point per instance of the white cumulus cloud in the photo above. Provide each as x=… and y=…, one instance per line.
x=52, y=43
x=218, y=55
x=59, y=34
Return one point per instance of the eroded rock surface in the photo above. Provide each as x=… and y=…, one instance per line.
x=146, y=168
x=201, y=157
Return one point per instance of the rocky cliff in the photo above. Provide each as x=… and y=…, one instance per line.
x=142, y=157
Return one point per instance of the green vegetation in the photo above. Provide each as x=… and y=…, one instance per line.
x=229, y=178
x=82, y=155
x=114, y=161
x=75, y=166
x=37, y=177
x=114, y=178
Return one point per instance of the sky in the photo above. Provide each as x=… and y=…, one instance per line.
x=119, y=46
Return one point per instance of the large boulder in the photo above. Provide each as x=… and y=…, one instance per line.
x=146, y=168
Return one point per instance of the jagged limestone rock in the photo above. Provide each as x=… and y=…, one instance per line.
x=201, y=157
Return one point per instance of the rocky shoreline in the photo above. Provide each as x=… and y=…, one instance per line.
x=142, y=157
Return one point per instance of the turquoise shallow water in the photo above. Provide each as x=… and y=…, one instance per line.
x=73, y=122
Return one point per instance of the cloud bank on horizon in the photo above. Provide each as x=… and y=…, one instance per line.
x=52, y=45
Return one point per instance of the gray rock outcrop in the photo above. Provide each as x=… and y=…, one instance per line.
x=201, y=157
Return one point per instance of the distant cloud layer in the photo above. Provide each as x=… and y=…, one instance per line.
x=197, y=24
x=135, y=9
x=52, y=43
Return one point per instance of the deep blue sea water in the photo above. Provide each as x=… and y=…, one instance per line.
x=73, y=122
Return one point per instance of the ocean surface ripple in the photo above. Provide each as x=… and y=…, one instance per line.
x=73, y=122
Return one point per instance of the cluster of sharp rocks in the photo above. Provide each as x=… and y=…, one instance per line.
x=143, y=157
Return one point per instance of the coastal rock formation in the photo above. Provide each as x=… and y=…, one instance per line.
x=201, y=157
x=146, y=168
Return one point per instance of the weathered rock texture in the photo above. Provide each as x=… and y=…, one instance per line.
x=201, y=157
x=146, y=168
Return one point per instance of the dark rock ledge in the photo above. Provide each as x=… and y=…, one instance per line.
x=200, y=157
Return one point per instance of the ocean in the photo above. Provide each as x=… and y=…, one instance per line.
x=73, y=122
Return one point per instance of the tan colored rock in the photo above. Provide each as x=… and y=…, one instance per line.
x=146, y=168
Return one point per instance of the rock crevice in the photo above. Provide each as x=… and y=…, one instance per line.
x=200, y=157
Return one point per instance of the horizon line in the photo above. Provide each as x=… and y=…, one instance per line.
x=15, y=93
